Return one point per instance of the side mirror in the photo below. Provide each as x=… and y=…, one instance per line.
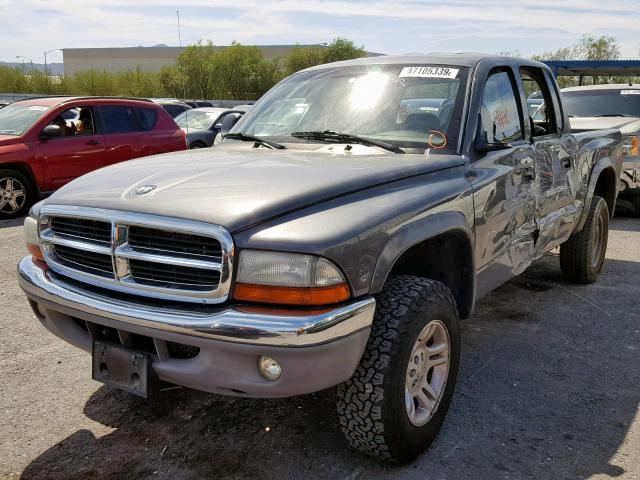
x=482, y=145
x=51, y=131
x=228, y=122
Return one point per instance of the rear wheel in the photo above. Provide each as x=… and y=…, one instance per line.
x=195, y=145
x=396, y=402
x=582, y=256
x=15, y=194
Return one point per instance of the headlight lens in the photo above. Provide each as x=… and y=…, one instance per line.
x=631, y=145
x=288, y=278
x=31, y=234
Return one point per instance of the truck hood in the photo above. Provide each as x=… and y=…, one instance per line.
x=626, y=125
x=237, y=188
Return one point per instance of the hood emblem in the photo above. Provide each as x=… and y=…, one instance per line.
x=144, y=189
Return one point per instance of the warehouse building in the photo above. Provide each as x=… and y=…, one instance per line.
x=147, y=58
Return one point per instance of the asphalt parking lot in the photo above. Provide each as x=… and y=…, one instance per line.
x=549, y=388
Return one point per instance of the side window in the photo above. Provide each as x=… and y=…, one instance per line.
x=501, y=118
x=174, y=110
x=540, y=103
x=75, y=121
x=146, y=118
x=115, y=118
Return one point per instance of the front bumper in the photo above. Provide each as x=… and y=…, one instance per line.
x=315, y=349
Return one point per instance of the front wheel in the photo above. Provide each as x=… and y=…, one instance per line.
x=15, y=194
x=582, y=255
x=396, y=401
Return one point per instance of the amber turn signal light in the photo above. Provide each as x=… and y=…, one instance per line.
x=35, y=251
x=309, y=296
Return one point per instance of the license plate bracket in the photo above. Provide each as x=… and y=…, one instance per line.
x=121, y=367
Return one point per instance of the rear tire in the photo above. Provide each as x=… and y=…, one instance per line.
x=386, y=409
x=16, y=194
x=582, y=255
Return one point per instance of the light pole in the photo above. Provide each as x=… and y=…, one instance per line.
x=45, y=59
x=30, y=61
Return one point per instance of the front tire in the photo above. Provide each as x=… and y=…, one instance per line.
x=396, y=401
x=16, y=194
x=582, y=255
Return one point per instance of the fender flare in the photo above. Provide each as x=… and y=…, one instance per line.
x=419, y=231
x=600, y=166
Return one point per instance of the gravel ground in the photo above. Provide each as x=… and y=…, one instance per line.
x=549, y=388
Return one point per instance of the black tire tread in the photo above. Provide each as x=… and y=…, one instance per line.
x=575, y=262
x=360, y=399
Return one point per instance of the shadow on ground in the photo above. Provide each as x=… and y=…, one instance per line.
x=12, y=222
x=546, y=390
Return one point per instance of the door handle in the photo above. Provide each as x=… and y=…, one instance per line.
x=565, y=162
x=94, y=142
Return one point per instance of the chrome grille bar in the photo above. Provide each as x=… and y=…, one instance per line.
x=167, y=272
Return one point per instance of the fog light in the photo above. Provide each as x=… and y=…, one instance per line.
x=269, y=368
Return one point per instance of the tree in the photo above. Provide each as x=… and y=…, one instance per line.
x=194, y=64
x=305, y=57
x=342, y=49
x=587, y=48
x=12, y=80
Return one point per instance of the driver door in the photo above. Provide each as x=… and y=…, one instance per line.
x=503, y=184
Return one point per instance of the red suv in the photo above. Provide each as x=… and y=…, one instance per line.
x=47, y=142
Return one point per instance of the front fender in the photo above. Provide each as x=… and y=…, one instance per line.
x=414, y=233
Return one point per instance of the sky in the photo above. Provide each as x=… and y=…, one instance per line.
x=525, y=27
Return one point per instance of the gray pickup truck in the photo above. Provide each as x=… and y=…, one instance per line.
x=335, y=238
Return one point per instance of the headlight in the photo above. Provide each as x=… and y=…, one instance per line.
x=631, y=145
x=31, y=233
x=289, y=279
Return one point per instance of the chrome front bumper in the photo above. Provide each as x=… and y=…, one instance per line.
x=284, y=328
x=316, y=350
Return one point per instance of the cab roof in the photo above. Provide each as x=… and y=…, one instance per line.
x=463, y=59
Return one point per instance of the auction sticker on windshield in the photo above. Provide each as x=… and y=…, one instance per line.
x=429, y=72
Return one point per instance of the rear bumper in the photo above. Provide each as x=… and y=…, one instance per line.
x=315, y=349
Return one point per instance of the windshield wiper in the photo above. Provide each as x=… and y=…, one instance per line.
x=338, y=137
x=611, y=115
x=250, y=138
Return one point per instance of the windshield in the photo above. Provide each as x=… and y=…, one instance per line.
x=15, y=119
x=403, y=105
x=196, y=120
x=593, y=103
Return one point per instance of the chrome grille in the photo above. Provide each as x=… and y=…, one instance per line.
x=174, y=242
x=173, y=276
x=154, y=256
x=90, y=262
x=82, y=228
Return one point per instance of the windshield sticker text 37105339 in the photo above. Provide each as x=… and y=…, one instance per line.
x=429, y=72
